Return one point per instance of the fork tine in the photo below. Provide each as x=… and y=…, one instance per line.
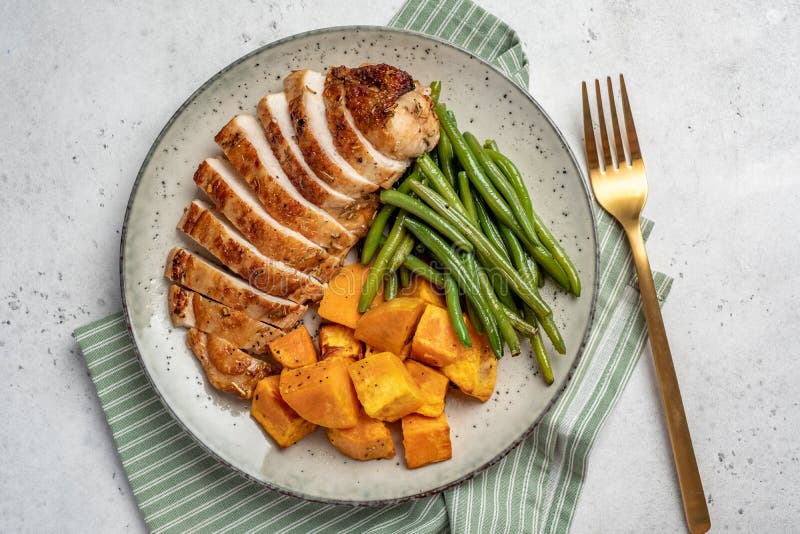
x=601, y=120
x=588, y=132
x=620, y=150
x=633, y=140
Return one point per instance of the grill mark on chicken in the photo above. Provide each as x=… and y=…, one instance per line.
x=199, y=275
x=227, y=368
x=245, y=144
x=236, y=253
x=192, y=310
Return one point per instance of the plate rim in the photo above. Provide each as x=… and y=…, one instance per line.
x=443, y=487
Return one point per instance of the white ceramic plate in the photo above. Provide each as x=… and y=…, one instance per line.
x=487, y=104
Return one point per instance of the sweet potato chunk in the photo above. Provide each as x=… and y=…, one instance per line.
x=389, y=326
x=435, y=342
x=426, y=439
x=340, y=302
x=384, y=386
x=433, y=385
x=475, y=369
x=322, y=393
x=422, y=289
x=339, y=340
x=295, y=349
x=370, y=439
x=277, y=417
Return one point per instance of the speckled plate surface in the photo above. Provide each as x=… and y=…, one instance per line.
x=487, y=104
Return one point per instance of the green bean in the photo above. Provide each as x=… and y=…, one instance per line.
x=503, y=322
x=493, y=331
x=465, y=192
x=375, y=232
x=505, y=188
x=490, y=144
x=373, y=281
x=484, y=247
x=404, y=275
x=493, y=234
x=403, y=249
x=420, y=268
x=423, y=212
x=473, y=318
x=527, y=268
x=512, y=173
x=541, y=356
x=390, y=286
x=439, y=181
x=445, y=150
x=551, y=329
x=544, y=233
x=473, y=169
x=520, y=324
x=453, y=299
x=436, y=89
x=494, y=200
x=439, y=248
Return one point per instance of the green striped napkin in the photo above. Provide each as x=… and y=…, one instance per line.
x=180, y=488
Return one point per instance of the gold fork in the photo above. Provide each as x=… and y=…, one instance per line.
x=622, y=191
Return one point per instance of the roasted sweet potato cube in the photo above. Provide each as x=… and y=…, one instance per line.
x=322, y=393
x=475, y=369
x=340, y=302
x=426, y=439
x=294, y=349
x=385, y=387
x=388, y=326
x=277, y=417
x=435, y=342
x=370, y=439
x=433, y=385
x=339, y=340
x=423, y=289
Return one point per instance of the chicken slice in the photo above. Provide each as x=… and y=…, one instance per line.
x=192, y=310
x=354, y=214
x=199, y=275
x=232, y=196
x=306, y=108
x=244, y=143
x=227, y=368
x=270, y=276
x=391, y=110
x=351, y=143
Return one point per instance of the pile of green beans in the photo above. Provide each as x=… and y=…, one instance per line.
x=463, y=219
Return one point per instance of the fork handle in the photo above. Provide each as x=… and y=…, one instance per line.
x=694, y=501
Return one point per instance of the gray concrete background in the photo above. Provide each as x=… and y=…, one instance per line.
x=86, y=86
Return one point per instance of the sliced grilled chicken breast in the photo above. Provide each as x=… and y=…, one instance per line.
x=392, y=111
x=199, y=275
x=232, y=196
x=192, y=310
x=356, y=149
x=307, y=109
x=354, y=214
x=201, y=224
x=244, y=143
x=227, y=368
